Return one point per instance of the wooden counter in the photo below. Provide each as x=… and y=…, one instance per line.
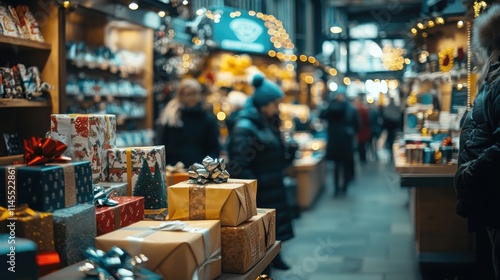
x=310, y=175
x=440, y=234
x=72, y=273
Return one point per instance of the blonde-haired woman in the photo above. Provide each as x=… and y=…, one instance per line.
x=190, y=130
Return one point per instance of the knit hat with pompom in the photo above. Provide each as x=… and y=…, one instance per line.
x=265, y=91
x=486, y=32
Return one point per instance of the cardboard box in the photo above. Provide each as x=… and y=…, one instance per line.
x=175, y=254
x=245, y=245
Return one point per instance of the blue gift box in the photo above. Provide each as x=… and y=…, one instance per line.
x=18, y=258
x=48, y=187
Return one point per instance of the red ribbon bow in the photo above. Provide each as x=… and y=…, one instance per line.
x=40, y=151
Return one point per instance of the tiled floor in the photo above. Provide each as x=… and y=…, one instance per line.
x=364, y=235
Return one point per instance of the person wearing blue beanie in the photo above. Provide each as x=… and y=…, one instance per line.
x=256, y=150
x=265, y=91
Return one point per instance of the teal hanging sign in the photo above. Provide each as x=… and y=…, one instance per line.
x=242, y=33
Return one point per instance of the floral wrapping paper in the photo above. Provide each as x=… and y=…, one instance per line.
x=29, y=224
x=143, y=169
x=48, y=187
x=130, y=209
x=245, y=245
x=88, y=138
x=74, y=231
x=178, y=254
x=232, y=202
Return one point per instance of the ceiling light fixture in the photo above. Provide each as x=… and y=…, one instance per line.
x=133, y=6
x=336, y=29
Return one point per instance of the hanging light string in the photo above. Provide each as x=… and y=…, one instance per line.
x=468, y=65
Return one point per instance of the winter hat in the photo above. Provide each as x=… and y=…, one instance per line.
x=265, y=91
x=486, y=35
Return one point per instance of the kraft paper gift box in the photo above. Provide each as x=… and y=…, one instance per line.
x=143, y=169
x=245, y=245
x=47, y=187
x=174, y=178
x=30, y=224
x=130, y=209
x=74, y=231
x=179, y=251
x=232, y=202
x=88, y=138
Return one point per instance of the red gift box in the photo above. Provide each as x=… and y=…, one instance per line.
x=130, y=209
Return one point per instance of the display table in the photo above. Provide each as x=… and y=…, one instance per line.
x=441, y=235
x=310, y=173
x=72, y=273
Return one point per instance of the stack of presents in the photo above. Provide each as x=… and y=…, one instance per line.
x=80, y=199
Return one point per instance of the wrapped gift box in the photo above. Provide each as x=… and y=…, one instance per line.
x=244, y=245
x=143, y=168
x=130, y=209
x=29, y=224
x=232, y=203
x=187, y=249
x=174, y=177
x=74, y=231
x=119, y=189
x=23, y=265
x=88, y=137
x=47, y=187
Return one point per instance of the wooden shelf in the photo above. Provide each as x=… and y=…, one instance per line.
x=71, y=272
x=7, y=42
x=10, y=103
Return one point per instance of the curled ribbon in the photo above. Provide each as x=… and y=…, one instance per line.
x=211, y=170
x=114, y=264
x=102, y=196
x=40, y=151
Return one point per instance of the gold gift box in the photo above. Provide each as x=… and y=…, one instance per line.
x=232, y=202
x=30, y=224
x=174, y=177
x=245, y=245
x=175, y=254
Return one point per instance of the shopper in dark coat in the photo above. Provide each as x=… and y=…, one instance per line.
x=256, y=151
x=477, y=180
x=190, y=130
x=343, y=125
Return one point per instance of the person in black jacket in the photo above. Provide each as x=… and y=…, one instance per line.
x=256, y=151
x=343, y=125
x=477, y=180
x=190, y=131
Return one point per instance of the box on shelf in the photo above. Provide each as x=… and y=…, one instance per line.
x=244, y=245
x=74, y=231
x=29, y=224
x=88, y=138
x=143, y=168
x=130, y=209
x=47, y=187
x=186, y=249
x=232, y=202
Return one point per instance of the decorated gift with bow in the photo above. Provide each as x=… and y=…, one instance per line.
x=175, y=249
x=116, y=264
x=74, y=231
x=143, y=169
x=44, y=181
x=176, y=174
x=130, y=209
x=211, y=195
x=30, y=224
x=88, y=137
x=244, y=245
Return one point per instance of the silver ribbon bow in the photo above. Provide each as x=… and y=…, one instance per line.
x=210, y=170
